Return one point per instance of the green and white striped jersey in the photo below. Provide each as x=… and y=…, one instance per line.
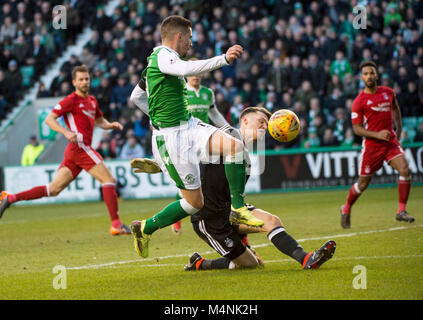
x=166, y=86
x=199, y=102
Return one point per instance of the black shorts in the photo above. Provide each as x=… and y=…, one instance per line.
x=221, y=235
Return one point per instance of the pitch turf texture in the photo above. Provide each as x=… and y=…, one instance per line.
x=98, y=266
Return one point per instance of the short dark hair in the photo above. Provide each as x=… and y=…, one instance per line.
x=174, y=24
x=367, y=64
x=248, y=110
x=81, y=68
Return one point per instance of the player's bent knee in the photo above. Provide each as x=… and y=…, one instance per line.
x=188, y=207
x=237, y=147
x=404, y=172
x=54, y=191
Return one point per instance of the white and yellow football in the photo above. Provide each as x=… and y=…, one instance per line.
x=284, y=125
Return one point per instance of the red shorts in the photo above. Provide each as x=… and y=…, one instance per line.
x=78, y=158
x=372, y=156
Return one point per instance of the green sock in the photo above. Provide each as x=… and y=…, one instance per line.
x=236, y=176
x=169, y=215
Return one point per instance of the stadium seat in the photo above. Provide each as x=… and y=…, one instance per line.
x=27, y=75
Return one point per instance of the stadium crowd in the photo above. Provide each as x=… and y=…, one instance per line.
x=300, y=55
x=29, y=42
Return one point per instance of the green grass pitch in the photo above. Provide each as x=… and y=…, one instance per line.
x=33, y=240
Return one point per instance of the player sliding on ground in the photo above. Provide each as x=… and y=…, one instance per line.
x=181, y=141
x=212, y=222
x=81, y=112
x=374, y=112
x=201, y=104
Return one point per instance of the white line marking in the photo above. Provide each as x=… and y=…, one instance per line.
x=345, y=235
x=354, y=258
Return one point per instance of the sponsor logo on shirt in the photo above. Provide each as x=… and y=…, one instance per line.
x=382, y=107
x=89, y=113
x=57, y=107
x=354, y=115
x=369, y=102
x=81, y=105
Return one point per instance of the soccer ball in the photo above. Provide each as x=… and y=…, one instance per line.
x=284, y=125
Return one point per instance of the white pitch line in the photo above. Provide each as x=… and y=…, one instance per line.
x=344, y=235
x=355, y=258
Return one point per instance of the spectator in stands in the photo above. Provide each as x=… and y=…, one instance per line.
x=413, y=105
x=317, y=75
x=14, y=76
x=229, y=90
x=31, y=152
x=65, y=89
x=58, y=80
x=8, y=29
x=88, y=58
x=105, y=150
x=3, y=107
x=305, y=93
x=271, y=103
x=349, y=138
x=121, y=92
x=329, y=140
x=37, y=56
x=20, y=49
x=340, y=125
x=277, y=76
x=6, y=92
x=43, y=92
x=132, y=149
x=332, y=45
x=103, y=94
x=349, y=86
x=340, y=66
x=312, y=140
x=419, y=133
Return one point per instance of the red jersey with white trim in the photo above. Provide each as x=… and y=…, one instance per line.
x=374, y=112
x=79, y=114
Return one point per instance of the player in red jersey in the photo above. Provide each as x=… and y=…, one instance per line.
x=81, y=113
x=374, y=112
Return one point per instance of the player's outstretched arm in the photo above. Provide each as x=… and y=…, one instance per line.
x=170, y=64
x=106, y=125
x=217, y=117
x=51, y=121
x=359, y=130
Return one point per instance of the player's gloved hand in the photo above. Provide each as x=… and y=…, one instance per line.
x=145, y=165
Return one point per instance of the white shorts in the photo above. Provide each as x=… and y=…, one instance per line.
x=179, y=151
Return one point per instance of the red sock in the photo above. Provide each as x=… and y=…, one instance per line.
x=352, y=197
x=111, y=200
x=404, y=186
x=31, y=194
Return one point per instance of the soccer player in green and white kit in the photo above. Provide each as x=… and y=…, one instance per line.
x=180, y=141
x=201, y=104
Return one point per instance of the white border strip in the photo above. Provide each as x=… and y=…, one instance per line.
x=345, y=235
